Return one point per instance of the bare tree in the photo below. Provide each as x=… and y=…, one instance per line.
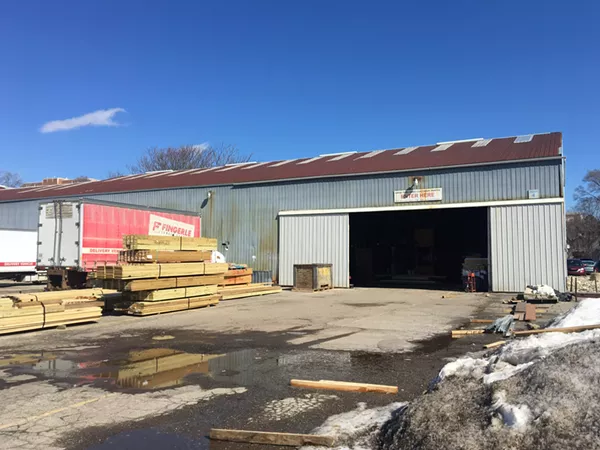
x=10, y=179
x=187, y=157
x=583, y=235
x=583, y=225
x=587, y=196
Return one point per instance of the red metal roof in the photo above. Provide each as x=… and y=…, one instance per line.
x=379, y=161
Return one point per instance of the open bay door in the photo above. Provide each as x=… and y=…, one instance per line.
x=314, y=239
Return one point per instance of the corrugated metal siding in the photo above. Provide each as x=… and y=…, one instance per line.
x=245, y=216
x=318, y=239
x=21, y=215
x=527, y=246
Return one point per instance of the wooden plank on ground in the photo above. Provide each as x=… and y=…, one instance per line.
x=520, y=307
x=345, y=386
x=231, y=295
x=152, y=256
x=494, y=344
x=167, y=283
x=557, y=330
x=466, y=332
x=530, y=312
x=271, y=438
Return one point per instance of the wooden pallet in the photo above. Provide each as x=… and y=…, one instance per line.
x=149, y=308
x=170, y=294
x=167, y=270
x=157, y=256
x=163, y=283
x=145, y=242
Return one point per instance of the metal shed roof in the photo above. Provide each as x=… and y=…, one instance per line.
x=458, y=153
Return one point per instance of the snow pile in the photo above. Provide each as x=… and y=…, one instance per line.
x=542, y=391
x=587, y=312
x=357, y=429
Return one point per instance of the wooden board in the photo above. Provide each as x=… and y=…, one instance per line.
x=238, y=272
x=249, y=293
x=466, y=332
x=62, y=295
x=139, y=271
x=557, y=330
x=271, y=438
x=145, y=242
x=152, y=256
x=245, y=279
x=46, y=320
x=168, y=294
x=164, y=283
x=147, y=308
x=494, y=344
x=345, y=386
x=530, y=312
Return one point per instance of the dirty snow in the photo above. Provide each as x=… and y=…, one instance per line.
x=277, y=410
x=543, y=388
x=356, y=429
x=540, y=391
x=587, y=312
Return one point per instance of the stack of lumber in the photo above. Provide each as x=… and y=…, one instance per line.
x=25, y=312
x=238, y=284
x=161, y=274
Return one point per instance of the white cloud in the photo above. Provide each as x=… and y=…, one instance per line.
x=201, y=147
x=100, y=118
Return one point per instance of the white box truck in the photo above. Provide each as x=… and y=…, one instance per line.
x=18, y=254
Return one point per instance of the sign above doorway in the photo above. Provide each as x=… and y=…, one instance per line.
x=418, y=195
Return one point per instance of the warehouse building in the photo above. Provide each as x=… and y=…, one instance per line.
x=385, y=217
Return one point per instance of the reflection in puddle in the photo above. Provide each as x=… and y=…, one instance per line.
x=155, y=368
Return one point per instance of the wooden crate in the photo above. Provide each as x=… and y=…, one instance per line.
x=313, y=277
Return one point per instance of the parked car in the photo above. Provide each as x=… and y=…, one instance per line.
x=575, y=267
x=597, y=267
x=588, y=265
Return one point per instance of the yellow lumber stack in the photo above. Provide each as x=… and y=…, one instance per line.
x=144, y=242
x=25, y=312
x=162, y=274
x=238, y=284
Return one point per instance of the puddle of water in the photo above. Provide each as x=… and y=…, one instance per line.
x=155, y=368
x=150, y=438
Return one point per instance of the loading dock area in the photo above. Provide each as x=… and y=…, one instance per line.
x=424, y=248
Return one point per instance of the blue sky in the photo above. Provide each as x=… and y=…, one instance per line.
x=283, y=79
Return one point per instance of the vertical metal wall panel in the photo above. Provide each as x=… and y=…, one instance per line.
x=21, y=215
x=527, y=246
x=315, y=239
